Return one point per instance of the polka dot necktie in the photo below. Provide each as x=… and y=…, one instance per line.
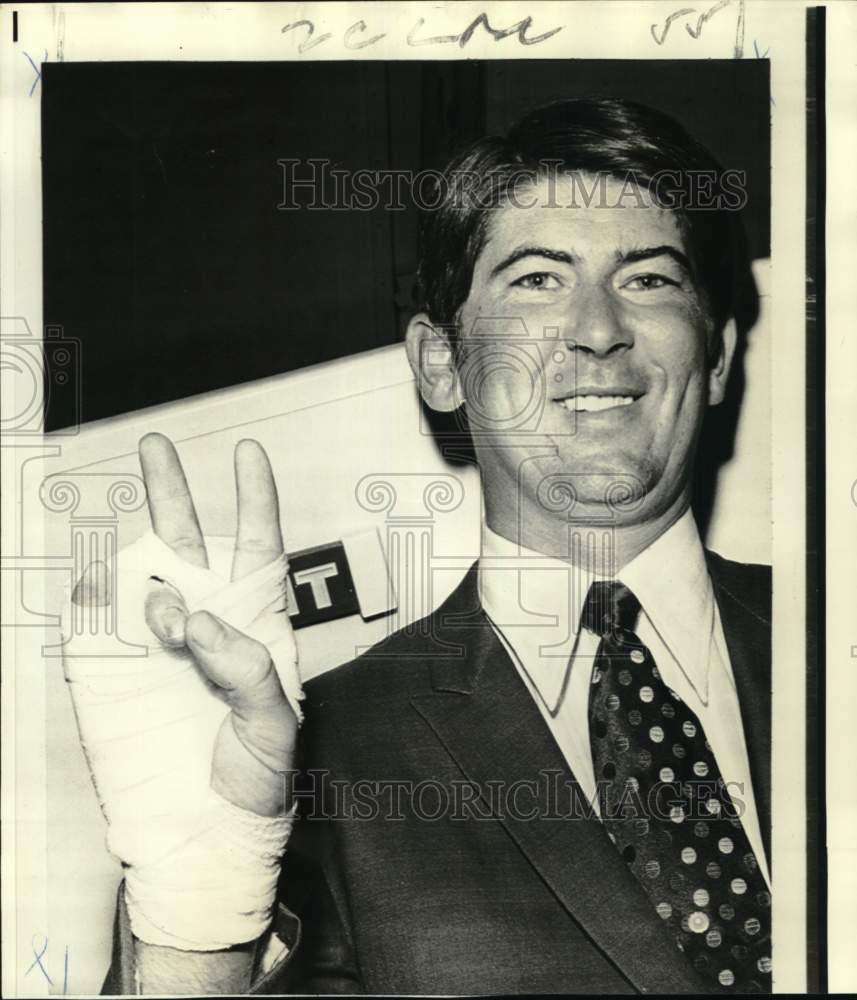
x=665, y=807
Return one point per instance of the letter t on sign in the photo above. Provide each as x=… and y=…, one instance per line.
x=316, y=577
x=339, y=579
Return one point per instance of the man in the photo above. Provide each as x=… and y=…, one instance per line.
x=597, y=659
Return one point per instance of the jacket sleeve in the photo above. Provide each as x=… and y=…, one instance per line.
x=313, y=920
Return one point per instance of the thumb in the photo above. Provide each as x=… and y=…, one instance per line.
x=257, y=740
x=237, y=664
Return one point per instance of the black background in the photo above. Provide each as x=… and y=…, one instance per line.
x=166, y=256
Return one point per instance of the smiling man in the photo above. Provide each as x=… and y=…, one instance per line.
x=591, y=706
x=622, y=336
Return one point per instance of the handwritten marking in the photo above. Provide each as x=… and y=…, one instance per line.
x=520, y=29
x=39, y=954
x=739, y=31
x=668, y=24
x=309, y=43
x=763, y=55
x=434, y=40
x=61, y=37
x=696, y=30
x=360, y=26
x=36, y=70
x=38, y=959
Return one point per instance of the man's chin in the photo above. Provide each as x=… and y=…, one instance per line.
x=598, y=491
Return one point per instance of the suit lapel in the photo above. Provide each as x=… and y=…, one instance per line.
x=747, y=629
x=482, y=713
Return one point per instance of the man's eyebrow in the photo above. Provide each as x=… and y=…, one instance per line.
x=533, y=251
x=647, y=253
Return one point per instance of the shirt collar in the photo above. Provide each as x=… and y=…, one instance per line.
x=670, y=579
x=535, y=601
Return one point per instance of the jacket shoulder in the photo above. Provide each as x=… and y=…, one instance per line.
x=401, y=664
x=395, y=663
x=360, y=714
x=750, y=584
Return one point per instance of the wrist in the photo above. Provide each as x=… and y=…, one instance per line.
x=218, y=888
x=160, y=969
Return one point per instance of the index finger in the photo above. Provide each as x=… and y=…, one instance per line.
x=170, y=503
x=260, y=539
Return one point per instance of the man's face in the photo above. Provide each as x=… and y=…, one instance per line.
x=584, y=351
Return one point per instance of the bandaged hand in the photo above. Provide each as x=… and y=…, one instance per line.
x=188, y=745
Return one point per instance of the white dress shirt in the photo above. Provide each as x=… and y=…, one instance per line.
x=535, y=602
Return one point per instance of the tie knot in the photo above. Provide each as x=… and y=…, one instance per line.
x=610, y=606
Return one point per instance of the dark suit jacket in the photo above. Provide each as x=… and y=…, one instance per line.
x=473, y=902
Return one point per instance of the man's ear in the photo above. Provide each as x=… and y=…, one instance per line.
x=432, y=359
x=718, y=374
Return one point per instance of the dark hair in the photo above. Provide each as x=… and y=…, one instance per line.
x=605, y=136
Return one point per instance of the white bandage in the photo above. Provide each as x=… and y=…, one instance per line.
x=202, y=873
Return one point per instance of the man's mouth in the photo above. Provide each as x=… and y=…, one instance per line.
x=595, y=402
x=588, y=404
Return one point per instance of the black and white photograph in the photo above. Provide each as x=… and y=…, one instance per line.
x=422, y=444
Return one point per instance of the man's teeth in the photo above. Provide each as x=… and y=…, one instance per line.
x=589, y=403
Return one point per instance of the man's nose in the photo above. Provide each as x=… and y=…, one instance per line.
x=595, y=325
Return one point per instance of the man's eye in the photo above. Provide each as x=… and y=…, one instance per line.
x=648, y=282
x=538, y=281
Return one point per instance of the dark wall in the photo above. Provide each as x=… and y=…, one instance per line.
x=165, y=253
